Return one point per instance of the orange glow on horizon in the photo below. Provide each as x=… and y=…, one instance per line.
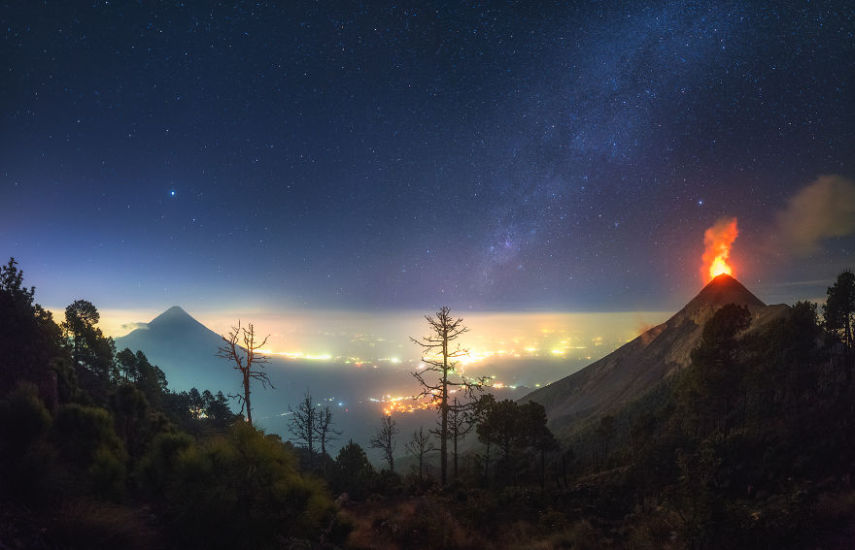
x=718, y=240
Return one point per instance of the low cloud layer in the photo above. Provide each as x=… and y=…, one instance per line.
x=822, y=210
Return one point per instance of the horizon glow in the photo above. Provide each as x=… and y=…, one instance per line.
x=384, y=336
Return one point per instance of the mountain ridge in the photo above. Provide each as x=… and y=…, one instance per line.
x=175, y=339
x=639, y=365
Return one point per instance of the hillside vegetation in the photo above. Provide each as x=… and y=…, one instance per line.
x=748, y=445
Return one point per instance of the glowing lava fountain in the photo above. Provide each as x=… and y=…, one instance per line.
x=717, y=242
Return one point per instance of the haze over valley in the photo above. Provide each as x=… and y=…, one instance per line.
x=362, y=364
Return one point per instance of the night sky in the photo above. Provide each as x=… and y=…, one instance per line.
x=373, y=156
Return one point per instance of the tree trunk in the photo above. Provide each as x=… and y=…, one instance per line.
x=454, y=442
x=246, y=398
x=443, y=436
x=443, y=442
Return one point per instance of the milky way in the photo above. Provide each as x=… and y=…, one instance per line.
x=490, y=156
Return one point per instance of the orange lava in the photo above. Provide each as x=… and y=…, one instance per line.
x=717, y=242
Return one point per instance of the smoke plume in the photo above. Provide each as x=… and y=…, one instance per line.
x=822, y=210
x=717, y=242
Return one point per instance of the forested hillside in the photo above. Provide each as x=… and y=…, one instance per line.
x=751, y=445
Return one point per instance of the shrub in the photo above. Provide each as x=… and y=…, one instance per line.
x=23, y=419
x=79, y=432
x=87, y=441
x=26, y=459
x=156, y=469
x=242, y=490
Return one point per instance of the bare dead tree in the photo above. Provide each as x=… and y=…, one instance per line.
x=246, y=359
x=304, y=424
x=419, y=446
x=324, y=429
x=384, y=439
x=439, y=375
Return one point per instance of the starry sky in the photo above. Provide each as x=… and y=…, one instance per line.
x=493, y=156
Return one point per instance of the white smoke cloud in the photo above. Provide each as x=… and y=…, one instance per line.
x=128, y=327
x=824, y=209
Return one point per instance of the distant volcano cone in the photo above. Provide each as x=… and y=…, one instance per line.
x=638, y=366
x=182, y=346
x=174, y=319
x=172, y=314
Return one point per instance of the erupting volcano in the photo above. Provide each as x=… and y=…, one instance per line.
x=717, y=242
x=639, y=366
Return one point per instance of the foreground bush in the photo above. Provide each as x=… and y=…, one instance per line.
x=241, y=490
x=88, y=443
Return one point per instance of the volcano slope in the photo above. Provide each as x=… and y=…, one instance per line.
x=634, y=369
